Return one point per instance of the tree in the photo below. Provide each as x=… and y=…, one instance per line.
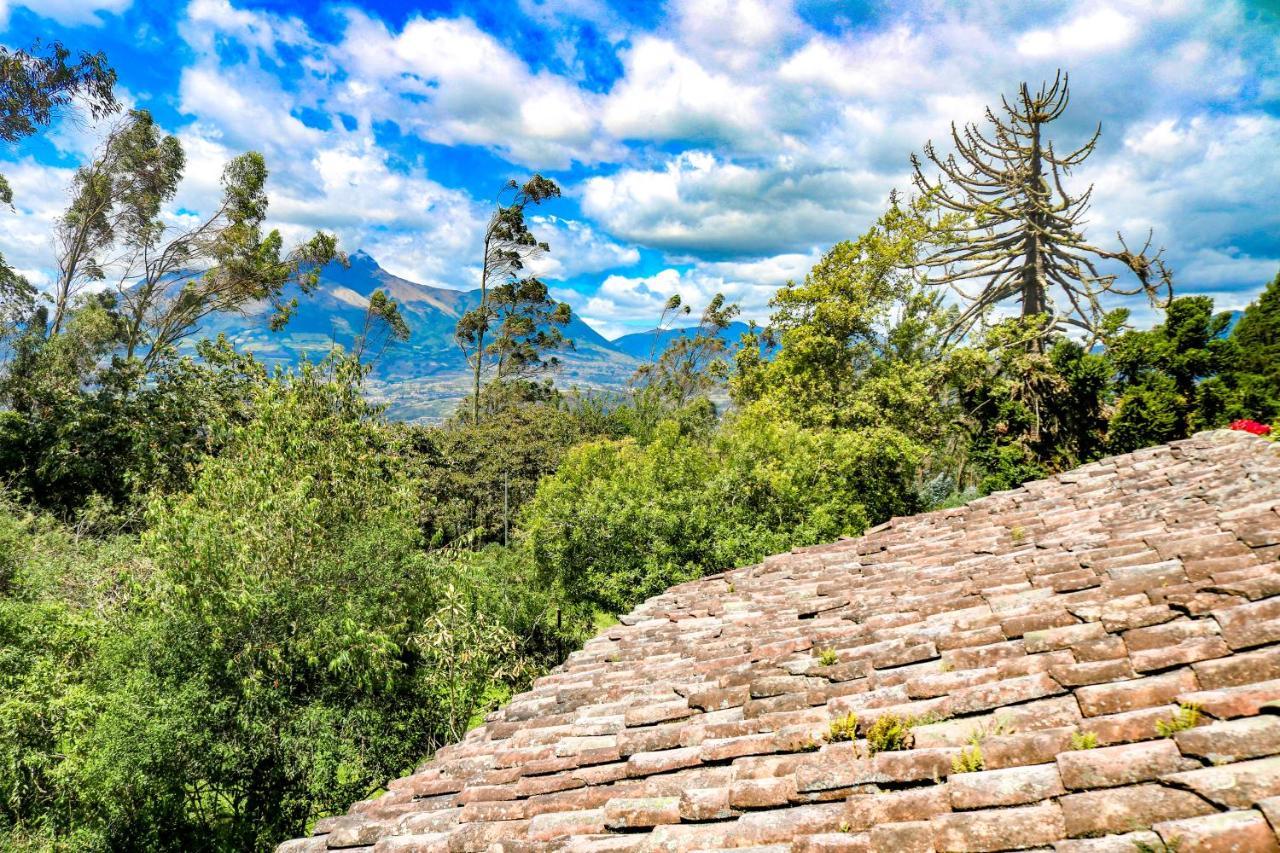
x=1174, y=378
x=297, y=647
x=528, y=326
x=1257, y=337
x=476, y=477
x=224, y=263
x=35, y=86
x=695, y=361
x=276, y=644
x=1024, y=413
x=85, y=430
x=620, y=521
x=860, y=336
x=674, y=307
x=39, y=83
x=115, y=203
x=1017, y=231
x=383, y=323
x=508, y=246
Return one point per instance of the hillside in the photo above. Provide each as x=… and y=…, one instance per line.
x=1096, y=655
x=425, y=376
x=648, y=344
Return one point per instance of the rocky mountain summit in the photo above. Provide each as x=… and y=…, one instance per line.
x=1087, y=663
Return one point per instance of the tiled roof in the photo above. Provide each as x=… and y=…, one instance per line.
x=1062, y=630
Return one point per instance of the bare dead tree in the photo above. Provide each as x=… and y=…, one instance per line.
x=1010, y=228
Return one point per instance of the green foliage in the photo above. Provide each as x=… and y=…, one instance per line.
x=1181, y=376
x=116, y=200
x=969, y=760
x=827, y=657
x=889, y=733
x=1027, y=411
x=277, y=645
x=692, y=365
x=77, y=427
x=383, y=325
x=1186, y=717
x=1257, y=340
x=1084, y=740
x=843, y=728
x=524, y=315
x=859, y=337
x=620, y=521
x=36, y=85
x=59, y=593
x=476, y=477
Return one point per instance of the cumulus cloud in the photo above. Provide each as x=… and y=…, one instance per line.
x=1096, y=31
x=700, y=203
x=624, y=304
x=577, y=248
x=26, y=232
x=447, y=81
x=665, y=95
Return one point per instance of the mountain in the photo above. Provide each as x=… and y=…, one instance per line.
x=424, y=377
x=644, y=345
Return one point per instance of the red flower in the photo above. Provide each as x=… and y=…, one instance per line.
x=1251, y=427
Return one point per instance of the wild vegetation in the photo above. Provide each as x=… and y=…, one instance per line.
x=234, y=600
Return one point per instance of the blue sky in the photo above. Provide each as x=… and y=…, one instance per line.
x=703, y=146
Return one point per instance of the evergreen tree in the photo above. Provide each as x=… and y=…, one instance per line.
x=1257, y=337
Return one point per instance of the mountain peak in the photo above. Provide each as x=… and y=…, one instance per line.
x=361, y=258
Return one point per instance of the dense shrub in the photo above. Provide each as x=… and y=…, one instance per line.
x=620, y=521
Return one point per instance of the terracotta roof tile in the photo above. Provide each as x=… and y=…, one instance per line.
x=1042, y=646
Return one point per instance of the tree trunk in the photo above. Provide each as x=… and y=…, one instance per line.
x=1033, y=275
x=484, y=295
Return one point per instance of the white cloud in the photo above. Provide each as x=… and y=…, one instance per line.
x=209, y=21
x=26, y=232
x=577, y=248
x=665, y=94
x=737, y=34
x=700, y=203
x=624, y=304
x=449, y=82
x=739, y=139
x=1097, y=31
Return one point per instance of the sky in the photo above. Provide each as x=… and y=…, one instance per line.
x=703, y=145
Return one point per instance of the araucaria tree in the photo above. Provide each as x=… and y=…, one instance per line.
x=508, y=246
x=1011, y=229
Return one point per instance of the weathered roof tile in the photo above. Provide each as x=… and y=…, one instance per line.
x=1031, y=642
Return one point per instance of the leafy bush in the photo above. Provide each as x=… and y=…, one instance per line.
x=283, y=644
x=619, y=522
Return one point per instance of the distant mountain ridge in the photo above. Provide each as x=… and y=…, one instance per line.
x=650, y=344
x=425, y=376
